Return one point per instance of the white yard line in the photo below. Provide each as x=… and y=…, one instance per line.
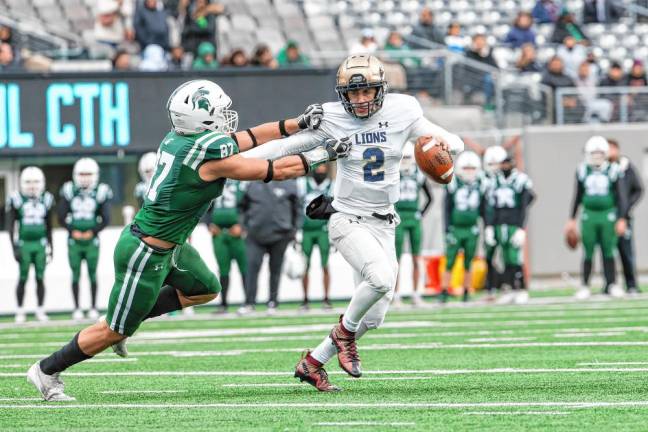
x=501, y=339
x=587, y=334
x=364, y=423
x=19, y=399
x=265, y=385
x=141, y=391
x=341, y=405
x=636, y=363
x=514, y=413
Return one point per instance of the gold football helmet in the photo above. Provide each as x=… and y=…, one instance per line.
x=358, y=72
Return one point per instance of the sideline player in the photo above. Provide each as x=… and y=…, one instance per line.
x=362, y=218
x=156, y=271
x=84, y=210
x=146, y=169
x=31, y=209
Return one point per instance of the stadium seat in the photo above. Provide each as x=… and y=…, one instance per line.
x=243, y=23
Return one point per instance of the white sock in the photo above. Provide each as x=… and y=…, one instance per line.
x=362, y=300
x=324, y=351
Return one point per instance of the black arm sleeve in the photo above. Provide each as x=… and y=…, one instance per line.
x=297, y=211
x=528, y=196
x=104, y=212
x=62, y=211
x=428, y=197
x=635, y=187
x=48, y=228
x=447, y=210
x=578, y=197
x=621, y=195
x=12, y=217
x=243, y=206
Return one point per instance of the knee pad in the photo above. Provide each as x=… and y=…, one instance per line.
x=380, y=279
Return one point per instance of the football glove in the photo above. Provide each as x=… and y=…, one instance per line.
x=338, y=148
x=489, y=236
x=518, y=238
x=311, y=118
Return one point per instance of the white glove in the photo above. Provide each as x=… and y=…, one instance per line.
x=311, y=118
x=518, y=238
x=338, y=148
x=489, y=236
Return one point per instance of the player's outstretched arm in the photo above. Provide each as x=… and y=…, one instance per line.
x=423, y=127
x=310, y=119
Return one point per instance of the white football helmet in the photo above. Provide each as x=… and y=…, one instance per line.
x=85, y=173
x=493, y=157
x=468, y=166
x=32, y=182
x=294, y=265
x=597, y=150
x=146, y=166
x=408, y=163
x=200, y=105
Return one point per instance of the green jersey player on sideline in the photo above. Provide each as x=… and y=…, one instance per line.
x=412, y=182
x=510, y=195
x=30, y=210
x=600, y=192
x=315, y=231
x=84, y=210
x=465, y=204
x=227, y=236
x=156, y=270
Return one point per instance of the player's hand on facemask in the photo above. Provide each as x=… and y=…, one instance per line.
x=311, y=118
x=489, y=236
x=519, y=238
x=337, y=148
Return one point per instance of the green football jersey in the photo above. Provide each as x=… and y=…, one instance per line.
x=506, y=192
x=598, y=186
x=308, y=191
x=466, y=201
x=225, y=213
x=84, y=204
x=178, y=197
x=410, y=185
x=32, y=214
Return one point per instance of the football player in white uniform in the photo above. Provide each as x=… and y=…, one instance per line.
x=362, y=218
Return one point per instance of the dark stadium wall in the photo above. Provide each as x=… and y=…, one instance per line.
x=47, y=115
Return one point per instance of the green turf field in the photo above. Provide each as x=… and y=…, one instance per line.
x=553, y=365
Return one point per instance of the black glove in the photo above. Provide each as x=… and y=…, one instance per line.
x=337, y=148
x=320, y=208
x=311, y=118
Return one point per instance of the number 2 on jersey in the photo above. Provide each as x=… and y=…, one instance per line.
x=375, y=158
x=166, y=161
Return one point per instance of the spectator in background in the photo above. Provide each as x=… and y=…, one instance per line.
x=153, y=59
x=6, y=35
x=454, y=40
x=177, y=59
x=426, y=30
x=555, y=77
x=601, y=11
x=637, y=75
x=615, y=76
x=238, y=58
x=121, y=61
x=481, y=52
x=110, y=26
x=521, y=32
x=566, y=26
x=8, y=61
x=366, y=45
x=263, y=57
x=206, y=57
x=395, y=43
x=596, y=109
x=545, y=11
x=572, y=55
x=272, y=213
x=199, y=18
x=527, y=62
x=151, y=25
x=291, y=56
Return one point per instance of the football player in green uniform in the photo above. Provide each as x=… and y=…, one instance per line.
x=84, y=209
x=227, y=236
x=510, y=195
x=156, y=270
x=412, y=182
x=493, y=157
x=146, y=169
x=30, y=209
x=315, y=232
x=600, y=191
x=465, y=204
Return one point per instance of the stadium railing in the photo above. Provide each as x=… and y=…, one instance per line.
x=601, y=104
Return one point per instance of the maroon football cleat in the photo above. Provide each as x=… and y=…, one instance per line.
x=315, y=375
x=345, y=343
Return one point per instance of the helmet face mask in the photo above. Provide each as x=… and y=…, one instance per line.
x=32, y=182
x=85, y=173
x=597, y=151
x=200, y=105
x=359, y=72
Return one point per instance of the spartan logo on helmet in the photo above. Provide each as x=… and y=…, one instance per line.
x=200, y=101
x=360, y=72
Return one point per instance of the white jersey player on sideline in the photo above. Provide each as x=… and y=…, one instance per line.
x=362, y=217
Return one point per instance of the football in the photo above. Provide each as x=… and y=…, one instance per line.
x=572, y=239
x=433, y=160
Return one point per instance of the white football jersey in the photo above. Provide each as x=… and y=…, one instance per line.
x=368, y=179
